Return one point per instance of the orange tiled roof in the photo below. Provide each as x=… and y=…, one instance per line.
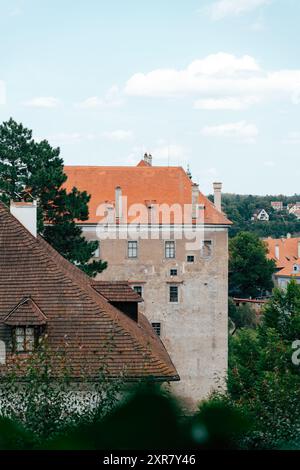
x=288, y=250
x=288, y=270
x=142, y=183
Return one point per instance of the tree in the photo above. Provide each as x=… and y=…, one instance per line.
x=250, y=272
x=263, y=381
x=34, y=170
x=241, y=316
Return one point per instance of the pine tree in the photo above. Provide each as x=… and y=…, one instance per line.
x=34, y=170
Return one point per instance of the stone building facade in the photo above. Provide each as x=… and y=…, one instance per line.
x=179, y=266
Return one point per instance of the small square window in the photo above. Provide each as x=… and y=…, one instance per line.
x=173, y=272
x=132, y=249
x=138, y=290
x=170, y=249
x=173, y=293
x=157, y=328
x=190, y=258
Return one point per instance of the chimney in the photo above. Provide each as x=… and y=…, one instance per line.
x=148, y=159
x=118, y=203
x=26, y=213
x=277, y=252
x=298, y=248
x=195, y=200
x=218, y=196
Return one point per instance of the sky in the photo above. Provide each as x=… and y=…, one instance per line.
x=213, y=84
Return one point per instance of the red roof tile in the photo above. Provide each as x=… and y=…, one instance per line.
x=116, y=291
x=94, y=332
x=288, y=250
x=25, y=313
x=164, y=185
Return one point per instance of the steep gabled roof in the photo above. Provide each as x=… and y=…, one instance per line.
x=163, y=184
x=94, y=332
x=26, y=313
x=116, y=291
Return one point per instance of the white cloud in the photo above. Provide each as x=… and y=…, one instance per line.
x=118, y=135
x=42, y=102
x=222, y=8
x=2, y=92
x=241, y=131
x=229, y=103
x=218, y=76
x=111, y=99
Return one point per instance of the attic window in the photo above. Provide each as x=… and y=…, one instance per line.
x=24, y=339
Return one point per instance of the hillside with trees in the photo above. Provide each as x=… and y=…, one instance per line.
x=240, y=209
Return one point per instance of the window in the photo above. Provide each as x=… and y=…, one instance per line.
x=173, y=293
x=190, y=258
x=24, y=339
x=96, y=253
x=170, y=249
x=173, y=272
x=138, y=290
x=207, y=248
x=157, y=328
x=132, y=249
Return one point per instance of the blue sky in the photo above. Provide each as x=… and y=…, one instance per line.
x=214, y=84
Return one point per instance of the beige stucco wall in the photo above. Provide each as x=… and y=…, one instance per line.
x=194, y=330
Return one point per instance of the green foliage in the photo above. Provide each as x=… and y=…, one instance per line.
x=34, y=170
x=240, y=209
x=38, y=406
x=242, y=315
x=263, y=382
x=250, y=272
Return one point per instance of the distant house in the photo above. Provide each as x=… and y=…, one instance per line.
x=277, y=205
x=261, y=214
x=294, y=209
x=285, y=275
x=286, y=254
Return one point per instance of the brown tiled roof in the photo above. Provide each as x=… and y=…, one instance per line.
x=92, y=332
x=162, y=184
x=117, y=291
x=26, y=313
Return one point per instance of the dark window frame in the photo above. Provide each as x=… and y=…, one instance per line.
x=173, y=294
x=157, y=328
x=137, y=287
